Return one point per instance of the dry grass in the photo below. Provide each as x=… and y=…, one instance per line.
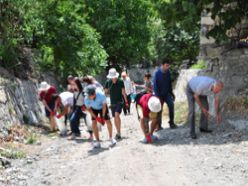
x=181, y=112
x=237, y=105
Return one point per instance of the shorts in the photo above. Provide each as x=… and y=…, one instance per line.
x=99, y=112
x=152, y=115
x=116, y=108
x=51, y=105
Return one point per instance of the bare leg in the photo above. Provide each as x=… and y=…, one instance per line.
x=109, y=125
x=144, y=127
x=53, y=124
x=95, y=130
x=118, y=122
x=153, y=125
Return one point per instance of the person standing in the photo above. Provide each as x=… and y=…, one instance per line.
x=198, y=89
x=147, y=86
x=147, y=107
x=96, y=104
x=129, y=91
x=116, y=89
x=46, y=93
x=162, y=86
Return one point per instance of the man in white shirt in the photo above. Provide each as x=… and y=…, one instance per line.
x=129, y=91
x=198, y=89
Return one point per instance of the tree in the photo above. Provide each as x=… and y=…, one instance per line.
x=73, y=44
x=123, y=26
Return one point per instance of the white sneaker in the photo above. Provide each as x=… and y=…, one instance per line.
x=96, y=145
x=112, y=142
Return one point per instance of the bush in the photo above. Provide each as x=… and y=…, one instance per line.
x=201, y=64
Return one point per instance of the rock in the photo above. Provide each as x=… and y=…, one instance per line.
x=5, y=162
x=29, y=161
x=45, y=182
x=227, y=135
x=240, y=125
x=22, y=177
x=219, y=166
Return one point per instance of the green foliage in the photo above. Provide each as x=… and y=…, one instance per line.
x=201, y=64
x=229, y=15
x=177, y=44
x=79, y=37
x=32, y=139
x=12, y=153
x=124, y=27
x=69, y=44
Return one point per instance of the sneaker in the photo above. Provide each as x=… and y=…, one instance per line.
x=193, y=136
x=154, y=138
x=96, y=145
x=144, y=140
x=118, y=137
x=205, y=130
x=112, y=142
x=72, y=137
x=173, y=126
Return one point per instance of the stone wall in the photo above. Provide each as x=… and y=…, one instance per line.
x=224, y=62
x=19, y=101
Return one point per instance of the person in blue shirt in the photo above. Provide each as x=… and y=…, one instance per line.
x=162, y=87
x=95, y=102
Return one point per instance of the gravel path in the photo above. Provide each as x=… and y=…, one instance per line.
x=220, y=158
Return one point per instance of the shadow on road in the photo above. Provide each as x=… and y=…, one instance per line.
x=222, y=134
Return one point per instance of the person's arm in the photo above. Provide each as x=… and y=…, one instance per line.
x=155, y=85
x=205, y=111
x=46, y=105
x=170, y=88
x=91, y=112
x=217, y=108
x=104, y=109
x=124, y=95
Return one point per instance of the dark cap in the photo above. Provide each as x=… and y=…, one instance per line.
x=90, y=90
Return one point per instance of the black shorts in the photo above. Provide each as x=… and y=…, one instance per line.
x=51, y=105
x=99, y=112
x=116, y=108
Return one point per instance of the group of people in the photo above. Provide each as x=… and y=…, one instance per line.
x=86, y=98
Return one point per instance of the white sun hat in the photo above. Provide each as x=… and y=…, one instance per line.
x=154, y=104
x=44, y=86
x=112, y=73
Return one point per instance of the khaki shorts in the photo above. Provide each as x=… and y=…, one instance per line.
x=152, y=115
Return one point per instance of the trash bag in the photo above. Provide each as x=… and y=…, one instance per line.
x=61, y=125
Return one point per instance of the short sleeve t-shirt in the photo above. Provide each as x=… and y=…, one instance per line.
x=115, y=90
x=66, y=98
x=47, y=95
x=79, y=98
x=202, y=85
x=143, y=102
x=97, y=103
x=148, y=86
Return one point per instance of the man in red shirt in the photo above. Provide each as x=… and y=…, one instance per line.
x=148, y=106
x=46, y=93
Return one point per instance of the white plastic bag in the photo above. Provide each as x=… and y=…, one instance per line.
x=61, y=125
x=88, y=121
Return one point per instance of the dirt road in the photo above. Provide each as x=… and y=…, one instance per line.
x=220, y=158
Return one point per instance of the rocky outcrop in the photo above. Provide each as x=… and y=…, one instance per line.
x=19, y=101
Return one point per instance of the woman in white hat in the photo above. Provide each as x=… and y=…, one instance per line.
x=148, y=107
x=46, y=93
